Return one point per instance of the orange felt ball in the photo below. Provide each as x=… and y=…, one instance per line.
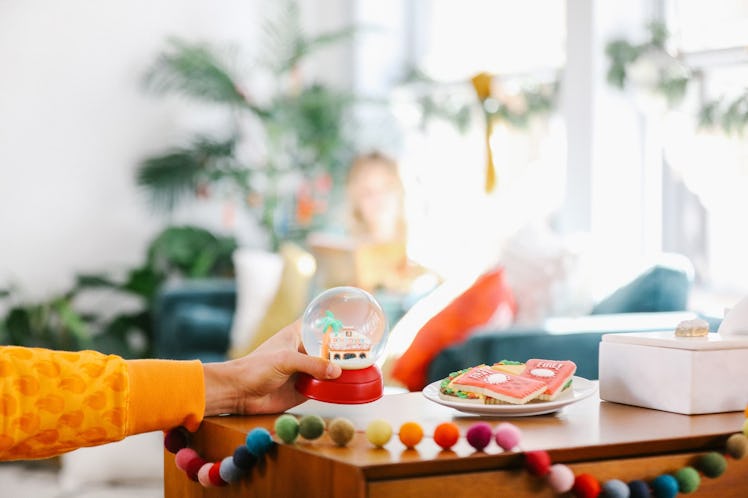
x=446, y=434
x=411, y=434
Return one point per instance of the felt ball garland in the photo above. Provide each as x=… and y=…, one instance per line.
x=559, y=477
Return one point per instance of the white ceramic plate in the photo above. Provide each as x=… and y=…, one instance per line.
x=581, y=388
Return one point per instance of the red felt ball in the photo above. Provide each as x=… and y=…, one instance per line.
x=215, y=476
x=193, y=467
x=538, y=463
x=176, y=439
x=586, y=486
x=446, y=434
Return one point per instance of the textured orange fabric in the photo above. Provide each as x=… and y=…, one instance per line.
x=55, y=401
x=453, y=324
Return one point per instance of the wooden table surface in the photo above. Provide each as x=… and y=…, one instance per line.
x=608, y=440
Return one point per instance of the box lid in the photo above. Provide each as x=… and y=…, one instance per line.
x=667, y=339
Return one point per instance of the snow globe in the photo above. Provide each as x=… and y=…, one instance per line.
x=347, y=326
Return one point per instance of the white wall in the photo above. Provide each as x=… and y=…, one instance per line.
x=74, y=123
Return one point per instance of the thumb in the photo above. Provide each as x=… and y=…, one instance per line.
x=314, y=366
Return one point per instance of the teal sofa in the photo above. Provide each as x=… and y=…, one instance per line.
x=655, y=300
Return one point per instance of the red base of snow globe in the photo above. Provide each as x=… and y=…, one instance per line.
x=351, y=388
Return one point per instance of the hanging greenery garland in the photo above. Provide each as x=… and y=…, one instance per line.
x=650, y=66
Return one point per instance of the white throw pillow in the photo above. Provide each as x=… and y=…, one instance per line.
x=258, y=275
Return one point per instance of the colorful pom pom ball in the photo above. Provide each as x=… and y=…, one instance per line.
x=446, y=434
x=193, y=467
x=311, y=427
x=560, y=478
x=479, y=435
x=341, y=431
x=615, y=488
x=745, y=427
x=737, y=446
x=639, y=489
x=538, y=463
x=410, y=434
x=259, y=441
x=688, y=480
x=228, y=471
x=215, y=475
x=712, y=464
x=243, y=458
x=586, y=486
x=507, y=436
x=664, y=486
x=287, y=428
x=176, y=439
x=183, y=457
x=203, y=475
x=379, y=432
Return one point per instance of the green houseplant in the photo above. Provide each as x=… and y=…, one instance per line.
x=57, y=323
x=300, y=128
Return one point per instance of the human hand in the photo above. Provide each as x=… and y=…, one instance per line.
x=263, y=381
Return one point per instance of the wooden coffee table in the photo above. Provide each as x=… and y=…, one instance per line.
x=607, y=440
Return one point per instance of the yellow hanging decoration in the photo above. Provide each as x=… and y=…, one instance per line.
x=482, y=85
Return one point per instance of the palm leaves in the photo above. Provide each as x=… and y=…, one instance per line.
x=300, y=130
x=330, y=322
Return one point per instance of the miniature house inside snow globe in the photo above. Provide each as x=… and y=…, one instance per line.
x=346, y=326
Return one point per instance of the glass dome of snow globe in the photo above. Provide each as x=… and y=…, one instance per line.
x=346, y=326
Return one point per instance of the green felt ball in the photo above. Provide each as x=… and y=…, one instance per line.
x=688, y=479
x=311, y=426
x=341, y=431
x=712, y=464
x=737, y=446
x=287, y=428
x=379, y=432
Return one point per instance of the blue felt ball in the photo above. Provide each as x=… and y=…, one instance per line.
x=639, y=489
x=228, y=471
x=665, y=486
x=243, y=459
x=615, y=488
x=259, y=441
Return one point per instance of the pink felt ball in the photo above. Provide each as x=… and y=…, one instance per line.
x=560, y=478
x=507, y=436
x=538, y=463
x=203, y=475
x=479, y=435
x=183, y=457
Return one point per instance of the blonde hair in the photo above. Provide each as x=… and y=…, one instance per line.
x=360, y=167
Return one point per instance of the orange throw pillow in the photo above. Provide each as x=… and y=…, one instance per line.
x=452, y=325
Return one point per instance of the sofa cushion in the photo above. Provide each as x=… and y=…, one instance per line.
x=658, y=289
x=474, y=307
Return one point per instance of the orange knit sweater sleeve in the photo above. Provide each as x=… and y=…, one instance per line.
x=56, y=401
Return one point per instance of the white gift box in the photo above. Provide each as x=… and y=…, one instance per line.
x=688, y=375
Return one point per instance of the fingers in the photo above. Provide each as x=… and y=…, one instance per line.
x=316, y=367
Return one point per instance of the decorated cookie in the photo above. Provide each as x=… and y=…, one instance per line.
x=556, y=375
x=499, y=387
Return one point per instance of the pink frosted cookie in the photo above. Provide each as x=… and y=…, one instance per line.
x=499, y=387
x=555, y=374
